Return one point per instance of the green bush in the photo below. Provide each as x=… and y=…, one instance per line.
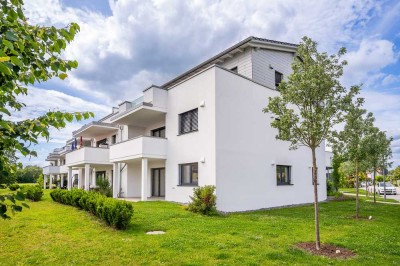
x=34, y=193
x=104, y=187
x=203, y=200
x=3, y=186
x=114, y=212
x=13, y=187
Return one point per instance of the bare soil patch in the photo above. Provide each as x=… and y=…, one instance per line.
x=327, y=250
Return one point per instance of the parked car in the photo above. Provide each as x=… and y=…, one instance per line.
x=388, y=187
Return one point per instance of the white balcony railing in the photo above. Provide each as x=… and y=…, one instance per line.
x=51, y=170
x=87, y=155
x=143, y=146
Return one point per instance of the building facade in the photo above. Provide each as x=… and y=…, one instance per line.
x=204, y=127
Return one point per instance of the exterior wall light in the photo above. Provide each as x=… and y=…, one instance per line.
x=203, y=159
x=202, y=103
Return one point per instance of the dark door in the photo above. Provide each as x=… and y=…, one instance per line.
x=158, y=182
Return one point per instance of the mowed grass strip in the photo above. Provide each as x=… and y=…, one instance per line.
x=53, y=234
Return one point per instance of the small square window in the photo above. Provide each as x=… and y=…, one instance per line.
x=188, y=121
x=188, y=174
x=283, y=175
x=278, y=78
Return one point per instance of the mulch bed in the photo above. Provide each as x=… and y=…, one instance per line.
x=327, y=250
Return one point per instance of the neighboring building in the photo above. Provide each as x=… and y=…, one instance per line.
x=204, y=127
x=56, y=171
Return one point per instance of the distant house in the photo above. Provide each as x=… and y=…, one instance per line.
x=204, y=127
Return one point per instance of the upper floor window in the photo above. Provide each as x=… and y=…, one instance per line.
x=283, y=175
x=188, y=121
x=278, y=78
x=234, y=69
x=101, y=143
x=159, y=132
x=188, y=174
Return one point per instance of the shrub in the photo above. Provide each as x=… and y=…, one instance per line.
x=104, y=187
x=34, y=193
x=3, y=186
x=13, y=187
x=203, y=200
x=114, y=212
x=40, y=180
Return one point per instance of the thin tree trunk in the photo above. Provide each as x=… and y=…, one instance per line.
x=316, y=213
x=374, y=185
x=357, y=185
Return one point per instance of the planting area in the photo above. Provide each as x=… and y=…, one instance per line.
x=50, y=233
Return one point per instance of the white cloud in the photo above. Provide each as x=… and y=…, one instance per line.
x=390, y=79
x=164, y=38
x=370, y=57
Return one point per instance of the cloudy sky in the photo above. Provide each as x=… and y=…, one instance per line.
x=124, y=46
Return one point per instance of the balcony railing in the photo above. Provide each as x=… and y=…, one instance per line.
x=88, y=155
x=138, y=147
x=51, y=170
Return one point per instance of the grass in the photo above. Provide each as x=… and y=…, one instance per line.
x=370, y=196
x=52, y=234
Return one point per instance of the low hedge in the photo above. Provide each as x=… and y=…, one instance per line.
x=34, y=193
x=114, y=212
x=13, y=187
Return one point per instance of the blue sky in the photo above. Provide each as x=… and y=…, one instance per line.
x=124, y=46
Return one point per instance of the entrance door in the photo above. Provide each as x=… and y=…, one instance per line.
x=158, y=182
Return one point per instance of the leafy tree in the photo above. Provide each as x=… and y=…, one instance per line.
x=336, y=161
x=29, y=174
x=358, y=124
x=377, y=151
x=312, y=101
x=395, y=174
x=28, y=54
x=347, y=172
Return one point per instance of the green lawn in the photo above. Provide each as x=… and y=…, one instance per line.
x=363, y=192
x=53, y=234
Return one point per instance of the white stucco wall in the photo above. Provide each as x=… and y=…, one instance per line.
x=247, y=151
x=191, y=147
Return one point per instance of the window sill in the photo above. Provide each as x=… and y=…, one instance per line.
x=284, y=184
x=188, y=185
x=187, y=132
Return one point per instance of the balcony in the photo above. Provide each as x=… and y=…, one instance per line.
x=88, y=155
x=51, y=170
x=144, y=111
x=143, y=146
x=95, y=129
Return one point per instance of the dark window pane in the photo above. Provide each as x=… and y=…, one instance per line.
x=188, y=121
x=235, y=69
x=188, y=174
x=278, y=78
x=283, y=175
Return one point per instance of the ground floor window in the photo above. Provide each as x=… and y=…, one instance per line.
x=100, y=175
x=283, y=175
x=188, y=174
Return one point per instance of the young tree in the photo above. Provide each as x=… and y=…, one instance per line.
x=312, y=101
x=28, y=54
x=358, y=124
x=377, y=151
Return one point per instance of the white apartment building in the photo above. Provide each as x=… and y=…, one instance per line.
x=204, y=127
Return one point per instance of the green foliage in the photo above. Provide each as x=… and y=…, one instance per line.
x=311, y=103
x=203, y=200
x=28, y=55
x=3, y=186
x=29, y=174
x=10, y=203
x=34, y=193
x=114, y=212
x=40, y=180
x=104, y=187
x=13, y=187
x=330, y=187
x=336, y=161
